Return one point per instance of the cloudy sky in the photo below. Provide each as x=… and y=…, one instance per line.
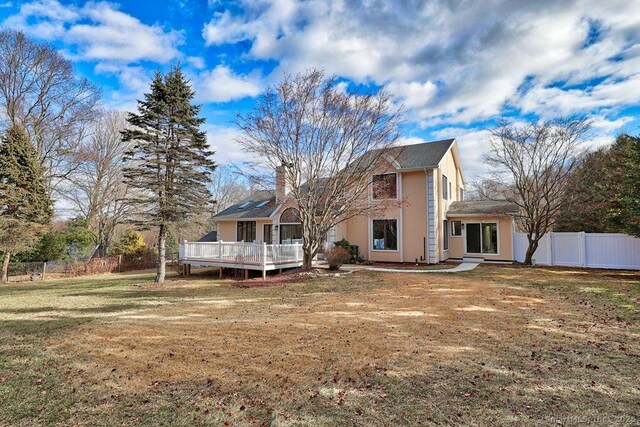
x=457, y=66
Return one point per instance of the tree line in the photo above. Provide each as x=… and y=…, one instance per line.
x=152, y=168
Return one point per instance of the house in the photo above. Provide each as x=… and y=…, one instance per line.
x=432, y=224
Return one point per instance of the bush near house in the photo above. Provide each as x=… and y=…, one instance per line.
x=337, y=256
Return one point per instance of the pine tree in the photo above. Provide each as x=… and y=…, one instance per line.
x=25, y=205
x=602, y=193
x=169, y=164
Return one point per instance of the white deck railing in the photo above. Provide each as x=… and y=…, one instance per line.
x=242, y=255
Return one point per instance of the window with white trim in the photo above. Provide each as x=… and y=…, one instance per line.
x=482, y=238
x=445, y=187
x=385, y=234
x=445, y=235
x=385, y=186
x=456, y=228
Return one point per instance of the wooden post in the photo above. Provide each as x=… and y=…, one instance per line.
x=220, y=272
x=120, y=263
x=44, y=270
x=246, y=273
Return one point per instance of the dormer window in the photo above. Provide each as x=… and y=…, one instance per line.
x=385, y=186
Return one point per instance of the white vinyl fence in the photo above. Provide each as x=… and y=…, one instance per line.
x=591, y=250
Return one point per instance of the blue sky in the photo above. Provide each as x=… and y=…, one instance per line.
x=456, y=66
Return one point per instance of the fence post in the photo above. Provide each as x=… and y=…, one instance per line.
x=583, y=248
x=44, y=270
x=550, y=248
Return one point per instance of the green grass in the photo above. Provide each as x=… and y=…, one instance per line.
x=495, y=346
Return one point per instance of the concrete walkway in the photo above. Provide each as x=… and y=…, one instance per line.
x=465, y=266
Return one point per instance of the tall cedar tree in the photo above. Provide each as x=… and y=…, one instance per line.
x=169, y=164
x=25, y=205
x=602, y=194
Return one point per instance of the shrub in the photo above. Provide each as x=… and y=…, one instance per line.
x=337, y=256
x=130, y=244
x=344, y=243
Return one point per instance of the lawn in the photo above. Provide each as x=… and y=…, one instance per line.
x=495, y=346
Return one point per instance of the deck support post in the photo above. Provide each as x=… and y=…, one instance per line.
x=246, y=273
x=220, y=272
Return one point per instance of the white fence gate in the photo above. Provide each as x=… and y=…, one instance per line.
x=591, y=250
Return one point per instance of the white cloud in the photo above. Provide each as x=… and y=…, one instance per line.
x=196, y=62
x=221, y=85
x=97, y=31
x=452, y=63
x=221, y=139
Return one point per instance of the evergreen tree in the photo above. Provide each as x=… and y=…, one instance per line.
x=25, y=205
x=631, y=185
x=602, y=194
x=169, y=164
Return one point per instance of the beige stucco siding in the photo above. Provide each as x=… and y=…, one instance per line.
x=449, y=169
x=227, y=231
x=414, y=215
x=505, y=236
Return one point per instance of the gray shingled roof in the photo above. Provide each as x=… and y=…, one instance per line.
x=425, y=155
x=483, y=207
x=211, y=236
x=253, y=209
x=416, y=156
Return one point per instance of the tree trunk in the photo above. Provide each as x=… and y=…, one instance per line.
x=309, y=252
x=162, y=256
x=531, y=249
x=5, y=267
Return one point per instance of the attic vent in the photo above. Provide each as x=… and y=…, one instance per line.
x=261, y=204
x=244, y=205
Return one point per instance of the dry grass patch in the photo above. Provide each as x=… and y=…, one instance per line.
x=495, y=346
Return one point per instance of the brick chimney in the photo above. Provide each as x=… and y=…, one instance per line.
x=282, y=187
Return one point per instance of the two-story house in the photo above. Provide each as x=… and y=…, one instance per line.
x=433, y=223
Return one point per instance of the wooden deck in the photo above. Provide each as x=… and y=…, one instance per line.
x=246, y=256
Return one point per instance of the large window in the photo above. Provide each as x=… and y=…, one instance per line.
x=385, y=186
x=246, y=231
x=290, y=227
x=445, y=187
x=482, y=238
x=385, y=234
x=445, y=235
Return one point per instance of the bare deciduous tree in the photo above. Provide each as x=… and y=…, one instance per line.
x=326, y=143
x=96, y=188
x=40, y=92
x=531, y=166
x=226, y=188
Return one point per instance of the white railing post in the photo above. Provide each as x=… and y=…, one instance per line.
x=550, y=248
x=583, y=248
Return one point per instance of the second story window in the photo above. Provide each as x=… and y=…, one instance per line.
x=385, y=186
x=445, y=187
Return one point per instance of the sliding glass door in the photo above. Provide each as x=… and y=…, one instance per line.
x=481, y=238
